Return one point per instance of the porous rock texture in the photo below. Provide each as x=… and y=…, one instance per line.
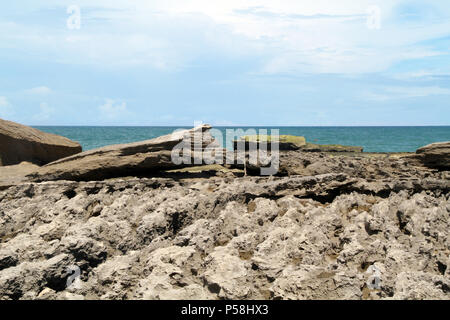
x=435, y=155
x=20, y=143
x=316, y=234
x=15, y=174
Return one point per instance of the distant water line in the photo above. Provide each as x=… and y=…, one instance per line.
x=373, y=139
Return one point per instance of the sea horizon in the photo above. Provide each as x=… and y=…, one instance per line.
x=241, y=126
x=371, y=138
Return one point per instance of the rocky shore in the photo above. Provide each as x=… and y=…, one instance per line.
x=329, y=225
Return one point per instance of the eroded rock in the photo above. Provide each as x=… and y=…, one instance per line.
x=138, y=158
x=435, y=155
x=297, y=237
x=20, y=143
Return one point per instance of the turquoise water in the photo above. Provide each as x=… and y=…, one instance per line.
x=373, y=139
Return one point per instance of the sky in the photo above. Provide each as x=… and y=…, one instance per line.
x=227, y=63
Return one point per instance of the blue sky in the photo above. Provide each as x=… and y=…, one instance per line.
x=281, y=63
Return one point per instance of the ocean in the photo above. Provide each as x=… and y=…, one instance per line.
x=373, y=139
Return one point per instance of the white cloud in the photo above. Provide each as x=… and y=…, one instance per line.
x=43, y=90
x=4, y=102
x=45, y=112
x=389, y=93
x=5, y=107
x=421, y=75
x=321, y=36
x=112, y=110
x=412, y=92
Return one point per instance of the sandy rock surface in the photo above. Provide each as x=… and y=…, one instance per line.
x=435, y=155
x=20, y=143
x=15, y=174
x=124, y=159
x=372, y=230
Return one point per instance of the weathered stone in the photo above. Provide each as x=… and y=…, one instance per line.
x=311, y=147
x=285, y=142
x=435, y=155
x=21, y=143
x=291, y=143
x=139, y=158
x=15, y=174
x=7, y=259
x=326, y=231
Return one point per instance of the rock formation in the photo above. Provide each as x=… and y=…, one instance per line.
x=137, y=158
x=330, y=226
x=311, y=147
x=21, y=143
x=16, y=174
x=435, y=155
x=325, y=235
x=285, y=142
x=292, y=143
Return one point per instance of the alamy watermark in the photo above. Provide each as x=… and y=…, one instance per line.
x=74, y=279
x=74, y=20
x=257, y=148
x=374, y=280
x=373, y=21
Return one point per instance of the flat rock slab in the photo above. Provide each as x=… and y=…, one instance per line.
x=20, y=143
x=285, y=142
x=435, y=155
x=139, y=158
x=292, y=143
x=16, y=174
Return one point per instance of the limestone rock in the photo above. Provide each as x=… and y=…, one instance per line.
x=329, y=231
x=137, y=158
x=285, y=142
x=15, y=174
x=21, y=143
x=292, y=143
x=435, y=155
x=311, y=147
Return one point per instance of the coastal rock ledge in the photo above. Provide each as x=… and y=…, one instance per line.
x=435, y=155
x=329, y=226
x=127, y=159
x=319, y=237
x=21, y=143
